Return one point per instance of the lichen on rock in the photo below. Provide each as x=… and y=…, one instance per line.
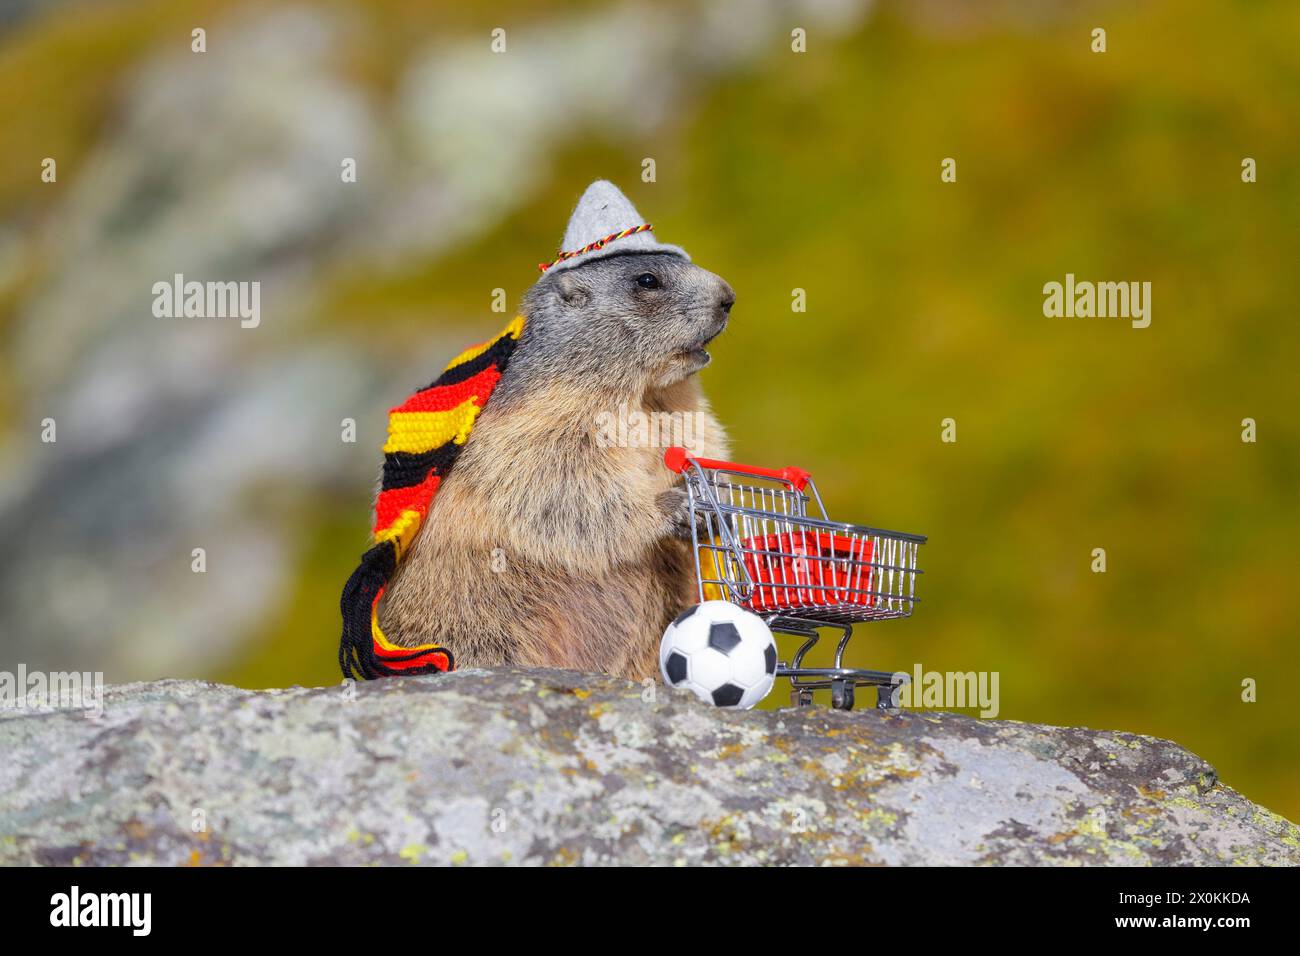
x=555, y=767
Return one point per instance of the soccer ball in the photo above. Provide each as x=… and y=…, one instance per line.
x=720, y=652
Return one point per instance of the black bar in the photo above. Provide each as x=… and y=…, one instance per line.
x=599, y=909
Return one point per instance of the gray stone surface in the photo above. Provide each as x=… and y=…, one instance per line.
x=552, y=767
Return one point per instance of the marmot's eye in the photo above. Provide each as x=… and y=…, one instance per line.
x=647, y=280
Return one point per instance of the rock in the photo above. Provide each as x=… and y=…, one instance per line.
x=538, y=766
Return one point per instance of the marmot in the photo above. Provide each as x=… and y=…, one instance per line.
x=543, y=548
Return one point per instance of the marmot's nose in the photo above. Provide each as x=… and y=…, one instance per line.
x=726, y=296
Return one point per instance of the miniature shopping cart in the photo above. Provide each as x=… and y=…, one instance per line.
x=756, y=546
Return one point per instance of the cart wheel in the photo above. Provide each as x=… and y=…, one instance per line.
x=884, y=697
x=800, y=697
x=842, y=694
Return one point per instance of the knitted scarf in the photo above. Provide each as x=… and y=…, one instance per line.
x=425, y=436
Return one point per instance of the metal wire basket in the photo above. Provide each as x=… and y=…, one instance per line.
x=756, y=545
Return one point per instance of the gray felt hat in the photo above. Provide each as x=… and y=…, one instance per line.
x=605, y=223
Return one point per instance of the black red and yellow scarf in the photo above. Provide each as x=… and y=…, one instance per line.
x=425, y=436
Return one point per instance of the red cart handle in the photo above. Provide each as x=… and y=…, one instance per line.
x=677, y=460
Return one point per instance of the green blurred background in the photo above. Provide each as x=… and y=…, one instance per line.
x=776, y=169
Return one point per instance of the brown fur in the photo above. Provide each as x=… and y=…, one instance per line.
x=543, y=548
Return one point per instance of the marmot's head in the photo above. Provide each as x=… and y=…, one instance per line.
x=630, y=321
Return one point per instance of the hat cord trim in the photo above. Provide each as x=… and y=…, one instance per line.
x=598, y=244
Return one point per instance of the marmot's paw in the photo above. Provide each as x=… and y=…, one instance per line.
x=675, y=506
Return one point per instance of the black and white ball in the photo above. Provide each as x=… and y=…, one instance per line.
x=722, y=653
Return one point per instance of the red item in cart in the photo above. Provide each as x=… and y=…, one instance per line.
x=807, y=569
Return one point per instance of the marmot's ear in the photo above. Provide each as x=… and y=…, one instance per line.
x=572, y=291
